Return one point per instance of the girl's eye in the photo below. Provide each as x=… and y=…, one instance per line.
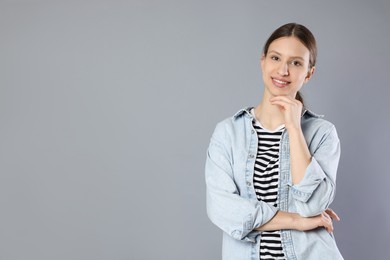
x=274, y=58
x=296, y=63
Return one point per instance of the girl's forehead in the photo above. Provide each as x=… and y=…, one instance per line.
x=289, y=46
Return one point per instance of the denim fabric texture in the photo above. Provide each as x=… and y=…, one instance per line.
x=231, y=199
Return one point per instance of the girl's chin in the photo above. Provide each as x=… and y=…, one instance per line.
x=283, y=94
x=275, y=91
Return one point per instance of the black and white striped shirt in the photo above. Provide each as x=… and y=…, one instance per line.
x=266, y=182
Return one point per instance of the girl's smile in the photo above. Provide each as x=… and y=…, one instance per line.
x=280, y=83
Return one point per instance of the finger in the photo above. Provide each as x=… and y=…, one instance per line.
x=280, y=103
x=332, y=214
x=283, y=98
x=327, y=221
x=284, y=103
x=329, y=229
x=288, y=100
x=326, y=217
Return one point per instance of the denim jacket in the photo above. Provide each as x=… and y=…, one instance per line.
x=231, y=199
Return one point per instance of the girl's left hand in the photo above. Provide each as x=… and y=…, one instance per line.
x=292, y=110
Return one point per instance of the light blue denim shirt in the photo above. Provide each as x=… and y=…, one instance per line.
x=231, y=199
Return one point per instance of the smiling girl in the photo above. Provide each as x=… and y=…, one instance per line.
x=271, y=169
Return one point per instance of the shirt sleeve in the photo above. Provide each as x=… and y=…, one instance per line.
x=235, y=215
x=316, y=191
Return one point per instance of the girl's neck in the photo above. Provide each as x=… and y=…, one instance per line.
x=270, y=116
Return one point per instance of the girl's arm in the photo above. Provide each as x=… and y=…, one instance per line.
x=313, y=172
x=300, y=156
x=287, y=220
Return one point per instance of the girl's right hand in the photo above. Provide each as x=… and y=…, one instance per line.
x=325, y=219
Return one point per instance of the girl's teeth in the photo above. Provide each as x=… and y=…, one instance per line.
x=280, y=82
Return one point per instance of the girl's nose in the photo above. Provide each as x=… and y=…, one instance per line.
x=283, y=69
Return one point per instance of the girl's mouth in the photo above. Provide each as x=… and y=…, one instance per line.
x=280, y=83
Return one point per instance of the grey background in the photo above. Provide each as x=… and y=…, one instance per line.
x=107, y=107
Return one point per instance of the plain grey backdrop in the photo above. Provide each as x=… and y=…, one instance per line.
x=107, y=108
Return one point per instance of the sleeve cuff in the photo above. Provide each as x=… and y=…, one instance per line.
x=249, y=232
x=312, y=178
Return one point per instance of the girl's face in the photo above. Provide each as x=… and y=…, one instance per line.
x=285, y=67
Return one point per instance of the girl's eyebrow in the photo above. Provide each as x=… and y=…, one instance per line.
x=295, y=57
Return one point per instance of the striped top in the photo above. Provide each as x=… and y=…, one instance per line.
x=266, y=182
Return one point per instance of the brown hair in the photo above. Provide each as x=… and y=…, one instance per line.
x=303, y=34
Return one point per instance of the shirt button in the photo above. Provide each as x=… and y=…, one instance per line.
x=251, y=156
x=253, y=131
x=248, y=183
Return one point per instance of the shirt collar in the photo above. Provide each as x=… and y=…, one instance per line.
x=310, y=113
x=243, y=111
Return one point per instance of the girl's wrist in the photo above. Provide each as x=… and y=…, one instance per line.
x=293, y=129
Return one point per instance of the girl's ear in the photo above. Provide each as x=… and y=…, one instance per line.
x=310, y=73
x=262, y=59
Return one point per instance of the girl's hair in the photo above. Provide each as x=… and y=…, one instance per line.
x=303, y=35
